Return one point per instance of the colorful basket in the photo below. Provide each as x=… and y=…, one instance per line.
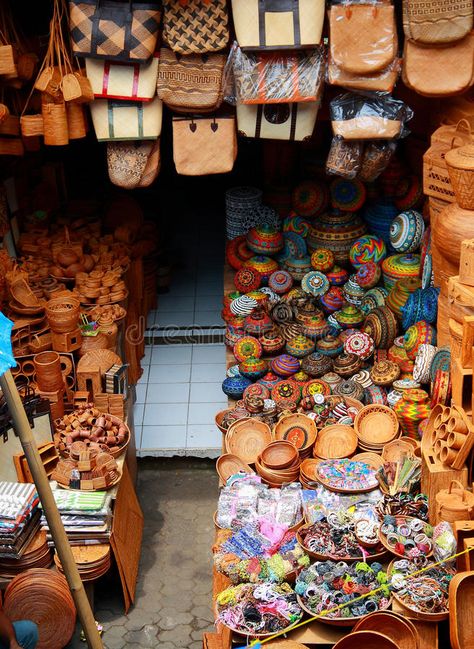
x=406, y=231
x=336, y=232
x=264, y=265
x=349, y=316
x=285, y=365
x=300, y=346
x=280, y=281
x=297, y=224
x=368, y=275
x=347, y=195
x=315, y=283
x=265, y=240
x=333, y=300
x=400, y=293
x=353, y=292
x=382, y=327
x=375, y=297
x=398, y=267
x=322, y=260
x=247, y=279
x=310, y=198
x=253, y=368
x=337, y=276
x=367, y=248
x=411, y=409
x=247, y=347
x=418, y=334
x=360, y=344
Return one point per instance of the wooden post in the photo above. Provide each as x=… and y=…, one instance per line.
x=23, y=430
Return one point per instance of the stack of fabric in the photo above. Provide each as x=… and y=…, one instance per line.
x=19, y=518
x=86, y=516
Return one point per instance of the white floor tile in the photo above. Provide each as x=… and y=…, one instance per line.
x=203, y=436
x=158, y=437
x=204, y=413
x=167, y=393
x=171, y=355
x=175, y=303
x=210, y=373
x=141, y=392
x=206, y=393
x=170, y=373
x=207, y=318
x=208, y=354
x=174, y=319
x=165, y=414
x=138, y=409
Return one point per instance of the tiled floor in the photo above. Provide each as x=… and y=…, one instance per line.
x=180, y=390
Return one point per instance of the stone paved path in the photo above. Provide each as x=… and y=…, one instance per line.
x=173, y=600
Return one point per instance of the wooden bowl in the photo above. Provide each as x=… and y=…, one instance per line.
x=335, y=441
x=461, y=620
x=375, y=425
x=327, y=557
x=383, y=538
x=218, y=419
x=279, y=455
x=396, y=450
x=337, y=621
x=366, y=640
x=228, y=465
x=414, y=613
x=396, y=627
x=298, y=429
x=374, y=460
x=247, y=438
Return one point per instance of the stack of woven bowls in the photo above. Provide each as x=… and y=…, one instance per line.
x=376, y=425
x=278, y=463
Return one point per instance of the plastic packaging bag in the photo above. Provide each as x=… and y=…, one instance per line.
x=344, y=158
x=375, y=159
x=369, y=116
x=278, y=77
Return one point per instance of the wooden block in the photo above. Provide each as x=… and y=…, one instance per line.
x=49, y=459
x=67, y=342
x=466, y=262
x=436, y=476
x=81, y=397
x=463, y=452
x=461, y=379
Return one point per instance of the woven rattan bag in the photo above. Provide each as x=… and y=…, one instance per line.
x=126, y=120
x=294, y=122
x=437, y=21
x=439, y=71
x=363, y=37
x=110, y=80
x=133, y=164
x=195, y=26
x=190, y=83
x=204, y=146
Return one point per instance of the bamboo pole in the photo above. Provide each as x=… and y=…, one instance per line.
x=23, y=430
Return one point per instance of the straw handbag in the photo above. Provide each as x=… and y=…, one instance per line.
x=382, y=81
x=195, y=26
x=204, y=146
x=437, y=21
x=116, y=80
x=363, y=36
x=133, y=164
x=122, y=31
x=126, y=120
x=439, y=71
x=278, y=24
x=293, y=122
x=190, y=83
x=268, y=78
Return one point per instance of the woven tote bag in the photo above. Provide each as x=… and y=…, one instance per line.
x=190, y=83
x=278, y=24
x=107, y=29
x=133, y=164
x=115, y=80
x=293, y=122
x=203, y=146
x=437, y=21
x=276, y=78
x=126, y=120
x=195, y=26
x=439, y=71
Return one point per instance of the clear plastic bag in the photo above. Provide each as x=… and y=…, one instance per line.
x=278, y=77
x=344, y=158
x=370, y=116
x=381, y=81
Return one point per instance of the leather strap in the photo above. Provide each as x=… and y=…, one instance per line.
x=258, y=123
x=294, y=117
x=278, y=6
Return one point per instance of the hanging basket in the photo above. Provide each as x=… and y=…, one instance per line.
x=56, y=131
x=460, y=163
x=76, y=121
x=32, y=125
x=77, y=89
x=7, y=60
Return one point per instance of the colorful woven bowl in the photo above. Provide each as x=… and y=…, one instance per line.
x=315, y=283
x=409, y=193
x=269, y=380
x=265, y=240
x=243, y=305
x=285, y=365
x=398, y=355
x=247, y=347
x=300, y=346
x=330, y=346
x=316, y=386
x=400, y=293
x=272, y=341
x=349, y=316
x=367, y=248
x=298, y=267
x=333, y=300
x=381, y=325
x=257, y=323
x=297, y=224
x=253, y=368
x=347, y=195
x=346, y=365
x=316, y=364
x=257, y=390
x=399, y=267
x=315, y=327
x=418, y=334
x=360, y=344
x=374, y=298
x=310, y=198
x=287, y=390
x=353, y=293
x=247, y=279
x=336, y=232
x=295, y=246
x=322, y=260
x=337, y=276
x=406, y=231
x=384, y=373
x=280, y=281
x=368, y=275
x=264, y=265
x=234, y=386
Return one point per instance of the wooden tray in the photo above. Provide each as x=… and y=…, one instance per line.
x=247, y=438
x=383, y=539
x=335, y=442
x=417, y=614
x=331, y=487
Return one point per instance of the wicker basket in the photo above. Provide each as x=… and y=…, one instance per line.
x=63, y=314
x=32, y=125
x=76, y=121
x=436, y=180
x=460, y=164
x=7, y=60
x=56, y=131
